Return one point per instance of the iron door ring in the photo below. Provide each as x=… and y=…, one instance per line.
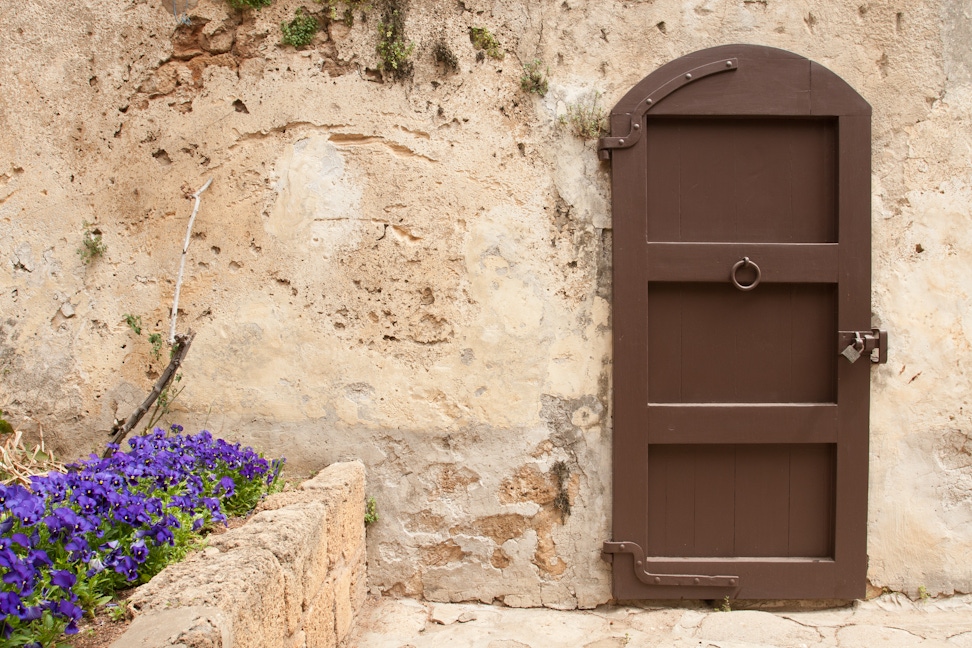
x=744, y=263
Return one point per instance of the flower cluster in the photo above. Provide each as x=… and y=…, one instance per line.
x=75, y=537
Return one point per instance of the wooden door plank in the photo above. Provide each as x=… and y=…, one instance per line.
x=664, y=351
x=678, y=524
x=629, y=376
x=762, y=490
x=724, y=346
x=713, y=262
x=741, y=423
x=715, y=510
x=740, y=180
x=812, y=500
x=690, y=496
x=853, y=387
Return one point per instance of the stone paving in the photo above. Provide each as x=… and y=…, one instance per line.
x=891, y=621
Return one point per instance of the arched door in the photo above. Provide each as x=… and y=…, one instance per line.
x=741, y=207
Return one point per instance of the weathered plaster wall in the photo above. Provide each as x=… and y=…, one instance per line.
x=418, y=274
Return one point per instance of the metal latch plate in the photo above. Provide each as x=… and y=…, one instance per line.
x=868, y=341
x=648, y=578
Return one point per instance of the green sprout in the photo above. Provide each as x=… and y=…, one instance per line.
x=585, y=119
x=393, y=49
x=134, y=322
x=483, y=39
x=156, y=340
x=371, y=511
x=249, y=4
x=301, y=30
x=92, y=246
x=534, y=79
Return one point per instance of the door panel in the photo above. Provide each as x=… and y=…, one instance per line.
x=740, y=501
x=709, y=343
x=741, y=251
x=753, y=180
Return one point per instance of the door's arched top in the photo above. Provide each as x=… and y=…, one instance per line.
x=733, y=80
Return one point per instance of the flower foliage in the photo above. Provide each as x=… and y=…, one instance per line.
x=74, y=537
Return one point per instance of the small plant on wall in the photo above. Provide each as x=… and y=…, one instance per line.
x=301, y=30
x=92, y=247
x=249, y=4
x=371, y=511
x=585, y=118
x=483, y=39
x=445, y=57
x=393, y=48
x=534, y=79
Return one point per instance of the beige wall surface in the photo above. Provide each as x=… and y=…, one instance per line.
x=417, y=273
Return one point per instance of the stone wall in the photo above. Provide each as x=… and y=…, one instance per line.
x=293, y=576
x=417, y=273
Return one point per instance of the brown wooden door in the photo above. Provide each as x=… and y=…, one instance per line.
x=741, y=206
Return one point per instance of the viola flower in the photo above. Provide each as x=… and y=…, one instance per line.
x=63, y=579
x=21, y=539
x=103, y=518
x=28, y=510
x=127, y=566
x=39, y=558
x=139, y=551
x=95, y=566
x=227, y=486
x=78, y=548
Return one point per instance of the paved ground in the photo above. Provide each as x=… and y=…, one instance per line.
x=891, y=621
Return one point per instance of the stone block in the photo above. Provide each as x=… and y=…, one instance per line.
x=186, y=627
x=319, y=620
x=270, y=583
x=343, y=608
x=291, y=534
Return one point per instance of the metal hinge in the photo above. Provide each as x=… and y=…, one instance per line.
x=648, y=578
x=606, y=144
x=853, y=344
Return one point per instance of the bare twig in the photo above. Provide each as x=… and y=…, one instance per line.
x=182, y=263
x=18, y=463
x=179, y=351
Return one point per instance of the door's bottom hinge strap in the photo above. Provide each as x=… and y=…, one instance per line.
x=646, y=577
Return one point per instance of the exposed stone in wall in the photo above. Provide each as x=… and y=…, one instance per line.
x=417, y=274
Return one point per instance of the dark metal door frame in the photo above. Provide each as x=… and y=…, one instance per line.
x=741, y=81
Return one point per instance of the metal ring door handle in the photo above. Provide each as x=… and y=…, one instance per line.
x=744, y=263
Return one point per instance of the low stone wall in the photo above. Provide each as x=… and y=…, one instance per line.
x=292, y=577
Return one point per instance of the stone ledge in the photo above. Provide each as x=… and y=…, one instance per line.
x=292, y=577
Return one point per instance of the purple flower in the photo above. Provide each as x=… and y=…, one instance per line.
x=227, y=485
x=39, y=557
x=28, y=510
x=139, y=551
x=9, y=603
x=63, y=579
x=21, y=575
x=68, y=610
x=21, y=539
x=95, y=566
x=128, y=567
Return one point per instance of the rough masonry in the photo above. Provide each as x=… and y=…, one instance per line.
x=416, y=274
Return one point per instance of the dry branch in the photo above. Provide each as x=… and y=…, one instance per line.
x=179, y=351
x=182, y=262
x=18, y=463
